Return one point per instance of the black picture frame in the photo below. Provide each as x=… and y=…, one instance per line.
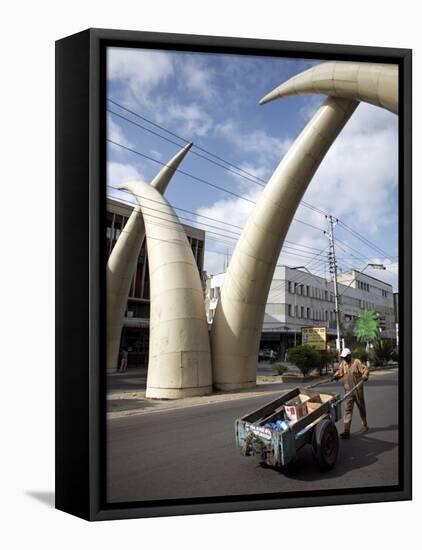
x=80, y=277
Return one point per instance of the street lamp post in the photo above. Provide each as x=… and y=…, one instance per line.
x=373, y=266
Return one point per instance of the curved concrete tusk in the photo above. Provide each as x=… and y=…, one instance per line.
x=237, y=324
x=179, y=349
x=374, y=83
x=123, y=260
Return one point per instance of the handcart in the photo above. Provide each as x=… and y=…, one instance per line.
x=267, y=433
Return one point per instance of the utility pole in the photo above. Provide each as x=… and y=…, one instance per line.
x=333, y=270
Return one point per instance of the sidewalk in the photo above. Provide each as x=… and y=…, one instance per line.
x=126, y=394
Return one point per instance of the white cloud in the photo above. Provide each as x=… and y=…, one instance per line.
x=355, y=182
x=256, y=143
x=197, y=77
x=140, y=70
x=216, y=259
x=191, y=119
x=156, y=154
x=119, y=173
x=115, y=132
x=357, y=178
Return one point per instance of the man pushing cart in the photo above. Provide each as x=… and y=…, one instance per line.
x=351, y=373
x=277, y=431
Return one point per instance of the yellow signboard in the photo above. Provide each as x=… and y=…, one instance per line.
x=316, y=337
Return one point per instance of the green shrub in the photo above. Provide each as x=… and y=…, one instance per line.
x=280, y=368
x=361, y=354
x=382, y=351
x=305, y=358
x=325, y=359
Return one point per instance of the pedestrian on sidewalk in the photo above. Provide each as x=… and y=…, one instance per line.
x=351, y=372
x=123, y=361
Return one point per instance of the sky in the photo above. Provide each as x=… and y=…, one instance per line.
x=212, y=100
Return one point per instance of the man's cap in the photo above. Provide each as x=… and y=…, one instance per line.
x=345, y=352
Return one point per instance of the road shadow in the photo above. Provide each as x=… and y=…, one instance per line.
x=123, y=405
x=127, y=381
x=381, y=381
x=360, y=451
x=45, y=497
x=383, y=429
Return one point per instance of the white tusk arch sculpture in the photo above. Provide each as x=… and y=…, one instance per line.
x=375, y=83
x=179, y=349
x=122, y=263
x=237, y=324
x=240, y=312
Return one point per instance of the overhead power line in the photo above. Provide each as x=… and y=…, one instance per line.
x=238, y=170
x=201, y=180
x=216, y=220
x=231, y=167
x=287, y=248
x=183, y=139
x=192, y=152
x=363, y=239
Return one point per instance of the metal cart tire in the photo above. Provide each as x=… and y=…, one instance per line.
x=325, y=444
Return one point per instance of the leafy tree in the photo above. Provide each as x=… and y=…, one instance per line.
x=349, y=336
x=383, y=350
x=305, y=358
x=361, y=354
x=366, y=327
x=325, y=359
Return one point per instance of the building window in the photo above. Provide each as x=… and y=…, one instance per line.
x=289, y=310
x=302, y=312
x=200, y=254
x=308, y=312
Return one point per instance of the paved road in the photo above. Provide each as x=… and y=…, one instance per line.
x=190, y=452
x=135, y=379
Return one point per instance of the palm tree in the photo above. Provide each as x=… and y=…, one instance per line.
x=367, y=327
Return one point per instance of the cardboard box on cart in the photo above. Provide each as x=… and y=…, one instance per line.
x=301, y=405
x=296, y=408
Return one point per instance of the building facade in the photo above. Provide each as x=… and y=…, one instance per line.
x=135, y=334
x=298, y=299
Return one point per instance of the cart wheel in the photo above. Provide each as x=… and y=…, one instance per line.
x=325, y=444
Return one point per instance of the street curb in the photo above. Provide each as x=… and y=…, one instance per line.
x=182, y=404
x=167, y=405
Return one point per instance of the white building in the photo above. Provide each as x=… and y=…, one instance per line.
x=298, y=298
